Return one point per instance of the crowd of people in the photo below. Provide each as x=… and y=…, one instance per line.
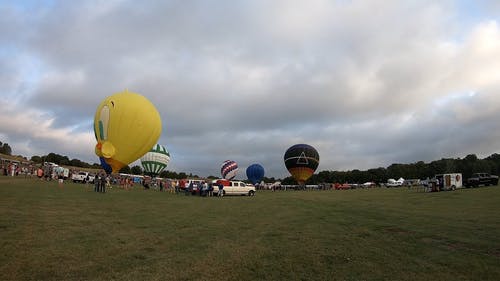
x=202, y=188
x=103, y=181
x=44, y=172
x=9, y=168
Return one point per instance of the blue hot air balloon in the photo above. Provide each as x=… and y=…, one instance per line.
x=255, y=173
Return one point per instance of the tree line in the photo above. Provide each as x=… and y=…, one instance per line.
x=62, y=160
x=135, y=170
x=419, y=170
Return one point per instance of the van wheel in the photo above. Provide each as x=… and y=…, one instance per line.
x=251, y=193
x=453, y=187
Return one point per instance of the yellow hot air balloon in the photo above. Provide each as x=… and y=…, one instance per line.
x=126, y=126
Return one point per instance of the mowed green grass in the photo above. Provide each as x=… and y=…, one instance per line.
x=49, y=233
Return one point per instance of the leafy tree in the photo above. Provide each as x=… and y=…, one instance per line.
x=36, y=159
x=5, y=149
x=78, y=163
x=378, y=175
x=495, y=159
x=470, y=158
x=64, y=161
x=164, y=174
x=125, y=170
x=57, y=159
x=271, y=180
x=288, y=181
x=136, y=170
x=482, y=166
x=172, y=175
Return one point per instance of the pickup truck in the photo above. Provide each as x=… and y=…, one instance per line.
x=82, y=177
x=233, y=188
x=478, y=179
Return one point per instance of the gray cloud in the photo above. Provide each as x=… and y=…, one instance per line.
x=367, y=84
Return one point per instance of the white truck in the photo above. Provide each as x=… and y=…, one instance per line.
x=233, y=187
x=82, y=177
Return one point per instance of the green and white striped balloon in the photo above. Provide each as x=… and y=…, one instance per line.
x=156, y=160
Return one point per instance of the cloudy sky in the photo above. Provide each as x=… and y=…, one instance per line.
x=367, y=83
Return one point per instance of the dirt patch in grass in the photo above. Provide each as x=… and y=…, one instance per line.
x=495, y=253
x=458, y=246
x=397, y=230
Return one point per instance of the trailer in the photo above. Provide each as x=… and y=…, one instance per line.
x=450, y=181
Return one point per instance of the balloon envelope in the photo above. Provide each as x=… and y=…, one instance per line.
x=255, y=173
x=229, y=169
x=301, y=160
x=126, y=126
x=155, y=160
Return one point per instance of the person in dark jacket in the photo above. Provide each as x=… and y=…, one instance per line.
x=97, y=183
x=103, y=182
x=221, y=190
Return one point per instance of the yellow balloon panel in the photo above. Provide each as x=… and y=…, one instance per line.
x=126, y=126
x=301, y=174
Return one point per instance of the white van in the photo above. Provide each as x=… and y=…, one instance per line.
x=233, y=187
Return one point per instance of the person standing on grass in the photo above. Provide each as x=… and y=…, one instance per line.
x=210, y=190
x=202, y=188
x=103, y=182
x=97, y=182
x=175, y=186
x=190, y=188
x=221, y=190
x=60, y=177
x=125, y=183
x=108, y=181
x=39, y=173
x=46, y=172
x=205, y=188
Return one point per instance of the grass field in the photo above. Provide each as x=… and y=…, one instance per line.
x=49, y=233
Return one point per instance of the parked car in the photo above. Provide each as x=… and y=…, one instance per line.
x=191, y=185
x=82, y=177
x=478, y=179
x=344, y=186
